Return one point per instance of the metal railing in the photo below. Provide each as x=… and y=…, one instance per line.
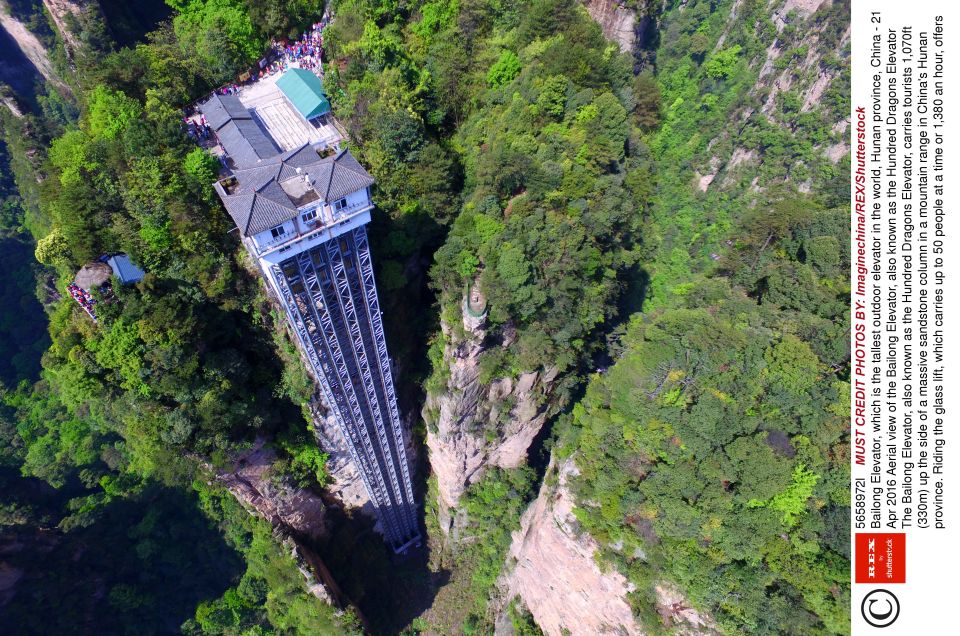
x=326, y=217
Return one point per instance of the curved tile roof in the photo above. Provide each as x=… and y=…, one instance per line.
x=265, y=195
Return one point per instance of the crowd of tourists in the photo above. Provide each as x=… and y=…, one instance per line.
x=305, y=52
x=84, y=298
x=197, y=128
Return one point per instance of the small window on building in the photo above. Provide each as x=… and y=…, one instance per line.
x=339, y=204
x=277, y=232
x=309, y=216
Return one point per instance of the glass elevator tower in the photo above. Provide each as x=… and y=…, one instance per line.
x=302, y=215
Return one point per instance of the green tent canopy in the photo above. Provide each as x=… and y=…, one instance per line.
x=305, y=91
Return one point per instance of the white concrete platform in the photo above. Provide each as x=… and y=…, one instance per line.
x=287, y=126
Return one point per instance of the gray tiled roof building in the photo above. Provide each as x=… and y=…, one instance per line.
x=265, y=195
x=302, y=215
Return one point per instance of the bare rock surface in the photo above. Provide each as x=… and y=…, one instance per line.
x=806, y=77
x=32, y=49
x=616, y=21
x=552, y=567
x=347, y=484
x=675, y=611
x=281, y=503
x=555, y=572
x=473, y=425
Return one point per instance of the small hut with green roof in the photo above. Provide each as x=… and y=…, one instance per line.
x=305, y=91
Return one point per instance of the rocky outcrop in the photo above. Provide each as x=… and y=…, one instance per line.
x=69, y=16
x=472, y=425
x=280, y=502
x=618, y=22
x=552, y=567
x=298, y=516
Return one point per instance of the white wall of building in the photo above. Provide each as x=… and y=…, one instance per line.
x=266, y=239
x=327, y=216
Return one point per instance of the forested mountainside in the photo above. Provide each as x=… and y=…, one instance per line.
x=612, y=270
x=134, y=417
x=709, y=464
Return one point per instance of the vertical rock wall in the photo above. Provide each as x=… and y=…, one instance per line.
x=552, y=568
x=618, y=22
x=472, y=425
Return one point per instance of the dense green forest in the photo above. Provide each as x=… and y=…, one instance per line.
x=516, y=149
x=717, y=445
x=511, y=131
x=181, y=372
x=576, y=203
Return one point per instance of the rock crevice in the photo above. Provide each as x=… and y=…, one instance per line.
x=472, y=424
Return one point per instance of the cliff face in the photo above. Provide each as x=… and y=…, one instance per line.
x=552, y=568
x=281, y=503
x=296, y=514
x=33, y=50
x=618, y=22
x=806, y=78
x=471, y=424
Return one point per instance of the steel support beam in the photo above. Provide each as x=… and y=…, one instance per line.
x=331, y=299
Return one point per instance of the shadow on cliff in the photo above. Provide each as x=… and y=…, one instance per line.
x=17, y=71
x=389, y=590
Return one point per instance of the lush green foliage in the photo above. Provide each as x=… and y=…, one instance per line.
x=220, y=31
x=522, y=621
x=717, y=446
x=714, y=453
x=141, y=568
x=491, y=509
x=179, y=371
x=556, y=181
x=513, y=141
x=493, y=506
x=269, y=597
x=701, y=96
